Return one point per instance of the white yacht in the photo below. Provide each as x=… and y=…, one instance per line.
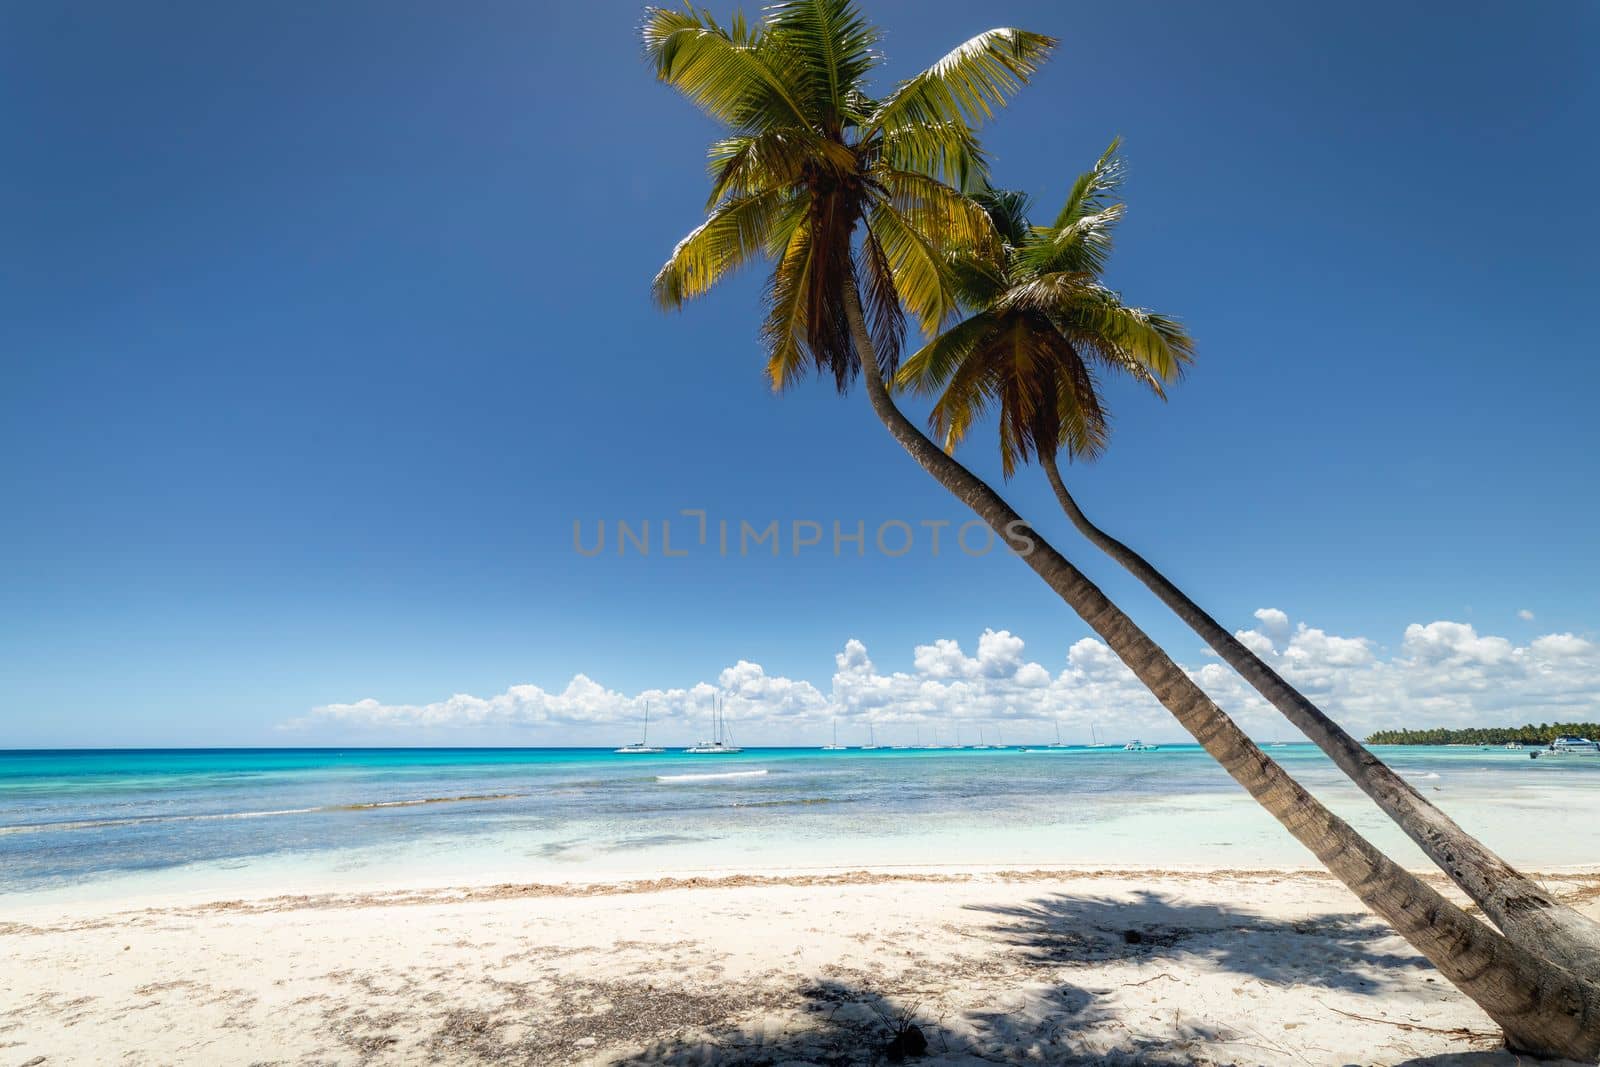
x=643, y=746
x=836, y=746
x=1139, y=746
x=1572, y=746
x=721, y=742
x=872, y=740
x=1094, y=738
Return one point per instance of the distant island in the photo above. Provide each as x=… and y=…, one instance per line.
x=1542, y=734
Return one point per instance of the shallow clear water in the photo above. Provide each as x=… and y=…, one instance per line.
x=122, y=822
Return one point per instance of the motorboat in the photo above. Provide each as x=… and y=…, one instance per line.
x=1569, y=746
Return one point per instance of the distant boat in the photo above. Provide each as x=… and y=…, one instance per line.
x=1569, y=746
x=1515, y=746
x=721, y=740
x=1094, y=738
x=643, y=747
x=1139, y=746
x=872, y=740
x=980, y=743
x=1058, y=743
x=836, y=746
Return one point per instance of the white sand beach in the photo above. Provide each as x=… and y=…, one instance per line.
x=1047, y=966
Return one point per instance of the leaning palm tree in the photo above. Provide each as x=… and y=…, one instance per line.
x=847, y=193
x=1040, y=323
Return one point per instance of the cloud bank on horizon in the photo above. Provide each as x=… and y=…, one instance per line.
x=1441, y=674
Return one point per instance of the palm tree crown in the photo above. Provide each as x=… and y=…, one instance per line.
x=1041, y=325
x=809, y=156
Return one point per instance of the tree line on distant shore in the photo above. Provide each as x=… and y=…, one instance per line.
x=1530, y=734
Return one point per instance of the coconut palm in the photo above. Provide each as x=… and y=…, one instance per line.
x=848, y=194
x=1040, y=323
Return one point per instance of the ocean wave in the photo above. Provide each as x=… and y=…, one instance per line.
x=709, y=777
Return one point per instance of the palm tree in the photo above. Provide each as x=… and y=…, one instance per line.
x=844, y=192
x=1041, y=322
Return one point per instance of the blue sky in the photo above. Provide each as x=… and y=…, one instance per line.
x=321, y=326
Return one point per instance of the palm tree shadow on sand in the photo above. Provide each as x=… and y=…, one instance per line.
x=1333, y=951
x=1049, y=1001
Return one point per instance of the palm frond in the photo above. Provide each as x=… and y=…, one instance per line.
x=1008, y=213
x=969, y=83
x=886, y=320
x=731, y=74
x=748, y=163
x=1152, y=347
x=1093, y=190
x=735, y=231
x=916, y=265
x=833, y=46
x=943, y=215
x=948, y=151
x=966, y=396
x=784, y=331
x=930, y=366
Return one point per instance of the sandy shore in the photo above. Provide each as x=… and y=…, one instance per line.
x=1041, y=966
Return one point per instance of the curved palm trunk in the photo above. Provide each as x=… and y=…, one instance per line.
x=1527, y=914
x=1541, y=1008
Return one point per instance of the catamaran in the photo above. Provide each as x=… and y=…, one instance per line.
x=836, y=746
x=1139, y=746
x=721, y=742
x=644, y=742
x=1094, y=738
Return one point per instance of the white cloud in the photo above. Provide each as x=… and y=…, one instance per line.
x=1525, y=615
x=1444, y=673
x=1274, y=624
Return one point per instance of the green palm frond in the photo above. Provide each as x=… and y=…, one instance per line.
x=833, y=44
x=914, y=262
x=948, y=151
x=1093, y=190
x=1008, y=213
x=1152, y=347
x=788, y=354
x=927, y=369
x=1082, y=235
x=737, y=231
x=748, y=163
x=969, y=83
x=735, y=75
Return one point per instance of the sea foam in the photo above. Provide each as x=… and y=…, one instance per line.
x=708, y=777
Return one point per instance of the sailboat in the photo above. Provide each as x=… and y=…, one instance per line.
x=643, y=746
x=1094, y=736
x=1058, y=743
x=836, y=746
x=721, y=740
x=980, y=743
x=872, y=740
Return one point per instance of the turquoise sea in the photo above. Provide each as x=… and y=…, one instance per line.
x=135, y=822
